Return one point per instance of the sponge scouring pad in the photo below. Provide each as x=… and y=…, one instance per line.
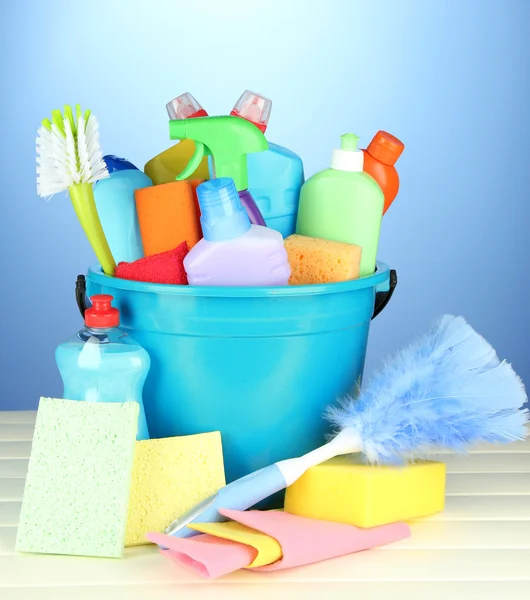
x=314, y=260
x=166, y=267
x=366, y=496
x=170, y=476
x=168, y=215
x=79, y=478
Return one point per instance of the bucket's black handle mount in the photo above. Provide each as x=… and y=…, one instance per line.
x=383, y=298
x=80, y=294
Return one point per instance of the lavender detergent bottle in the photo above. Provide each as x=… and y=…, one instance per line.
x=234, y=252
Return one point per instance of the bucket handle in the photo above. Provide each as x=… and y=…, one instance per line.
x=381, y=298
x=80, y=294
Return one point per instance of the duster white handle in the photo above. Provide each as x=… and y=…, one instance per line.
x=346, y=442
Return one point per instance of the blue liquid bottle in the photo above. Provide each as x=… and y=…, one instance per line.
x=276, y=175
x=116, y=206
x=101, y=363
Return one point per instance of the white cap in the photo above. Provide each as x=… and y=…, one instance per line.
x=348, y=158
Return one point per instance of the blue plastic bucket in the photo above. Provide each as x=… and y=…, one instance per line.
x=258, y=364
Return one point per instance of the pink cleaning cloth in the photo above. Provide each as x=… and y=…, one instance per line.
x=303, y=541
x=306, y=541
x=205, y=555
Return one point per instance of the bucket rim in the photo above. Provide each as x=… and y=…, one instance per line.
x=382, y=274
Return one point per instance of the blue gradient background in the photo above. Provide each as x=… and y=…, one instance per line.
x=450, y=78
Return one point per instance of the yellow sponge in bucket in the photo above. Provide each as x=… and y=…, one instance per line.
x=346, y=491
x=170, y=476
x=314, y=260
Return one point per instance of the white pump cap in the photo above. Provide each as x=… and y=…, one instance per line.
x=348, y=158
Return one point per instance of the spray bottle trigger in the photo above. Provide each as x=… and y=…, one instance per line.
x=194, y=163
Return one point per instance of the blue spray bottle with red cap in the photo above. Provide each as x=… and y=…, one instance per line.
x=276, y=175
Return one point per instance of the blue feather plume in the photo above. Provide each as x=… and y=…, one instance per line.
x=446, y=390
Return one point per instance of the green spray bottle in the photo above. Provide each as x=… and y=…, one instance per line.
x=228, y=140
x=344, y=204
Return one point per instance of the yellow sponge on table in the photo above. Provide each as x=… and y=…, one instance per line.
x=314, y=260
x=170, y=476
x=346, y=491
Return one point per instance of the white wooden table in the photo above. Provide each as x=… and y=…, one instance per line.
x=478, y=549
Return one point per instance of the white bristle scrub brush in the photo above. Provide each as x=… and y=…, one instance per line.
x=69, y=158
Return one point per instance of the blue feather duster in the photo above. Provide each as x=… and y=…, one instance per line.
x=446, y=390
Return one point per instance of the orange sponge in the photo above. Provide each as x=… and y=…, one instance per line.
x=194, y=184
x=168, y=215
x=314, y=260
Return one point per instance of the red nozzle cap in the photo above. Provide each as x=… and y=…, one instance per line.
x=385, y=148
x=185, y=106
x=101, y=314
x=253, y=108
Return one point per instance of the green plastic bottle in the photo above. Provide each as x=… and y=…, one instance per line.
x=344, y=204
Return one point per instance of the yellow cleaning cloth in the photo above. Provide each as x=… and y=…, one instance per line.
x=170, y=476
x=269, y=550
x=343, y=491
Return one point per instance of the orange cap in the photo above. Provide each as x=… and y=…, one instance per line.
x=385, y=148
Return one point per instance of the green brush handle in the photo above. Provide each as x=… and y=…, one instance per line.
x=82, y=198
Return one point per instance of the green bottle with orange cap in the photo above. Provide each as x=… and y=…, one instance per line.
x=344, y=204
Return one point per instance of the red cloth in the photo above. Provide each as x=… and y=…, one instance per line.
x=166, y=267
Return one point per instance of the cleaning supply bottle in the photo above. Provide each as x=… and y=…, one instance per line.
x=164, y=167
x=101, y=363
x=379, y=160
x=234, y=252
x=116, y=207
x=276, y=175
x=344, y=204
x=228, y=140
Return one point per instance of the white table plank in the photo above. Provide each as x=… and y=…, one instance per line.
x=426, y=535
x=9, y=417
x=485, y=508
x=8, y=536
x=476, y=484
x=22, y=432
x=439, y=535
x=376, y=565
x=15, y=450
x=507, y=462
x=9, y=513
x=419, y=565
x=16, y=467
x=523, y=446
x=477, y=463
x=294, y=591
x=11, y=489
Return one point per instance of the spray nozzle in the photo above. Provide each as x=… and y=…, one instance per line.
x=227, y=139
x=185, y=106
x=254, y=108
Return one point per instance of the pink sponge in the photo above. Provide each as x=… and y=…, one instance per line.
x=166, y=267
